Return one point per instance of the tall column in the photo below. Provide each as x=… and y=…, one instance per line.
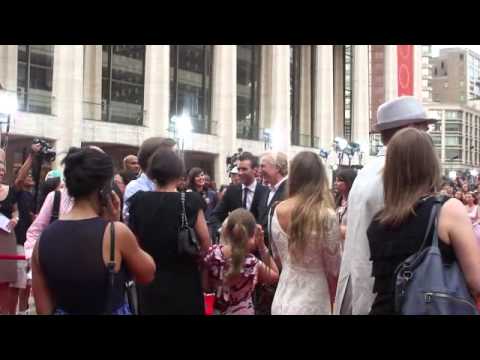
x=305, y=91
x=92, y=88
x=324, y=96
x=68, y=94
x=361, y=114
x=265, y=88
x=280, y=101
x=338, y=72
x=224, y=105
x=8, y=67
x=391, y=76
x=157, y=89
x=325, y=123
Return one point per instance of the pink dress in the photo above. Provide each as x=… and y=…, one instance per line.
x=232, y=299
x=472, y=214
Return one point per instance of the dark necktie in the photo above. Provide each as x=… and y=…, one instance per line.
x=245, y=194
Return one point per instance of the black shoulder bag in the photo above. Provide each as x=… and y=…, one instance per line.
x=187, y=240
x=56, y=207
x=129, y=286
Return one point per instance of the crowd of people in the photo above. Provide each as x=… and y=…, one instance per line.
x=157, y=239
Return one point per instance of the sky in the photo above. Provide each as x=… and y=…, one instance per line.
x=436, y=48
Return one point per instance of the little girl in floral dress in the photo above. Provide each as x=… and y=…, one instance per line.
x=233, y=271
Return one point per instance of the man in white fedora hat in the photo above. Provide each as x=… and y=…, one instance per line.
x=355, y=285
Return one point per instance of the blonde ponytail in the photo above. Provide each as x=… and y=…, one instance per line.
x=239, y=229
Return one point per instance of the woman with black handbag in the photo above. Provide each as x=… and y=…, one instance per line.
x=405, y=226
x=72, y=261
x=170, y=226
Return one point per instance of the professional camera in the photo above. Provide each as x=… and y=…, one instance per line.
x=47, y=152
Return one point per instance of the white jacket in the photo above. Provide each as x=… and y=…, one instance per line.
x=364, y=201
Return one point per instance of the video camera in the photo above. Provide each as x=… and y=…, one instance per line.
x=47, y=152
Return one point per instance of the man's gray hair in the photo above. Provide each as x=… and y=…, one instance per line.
x=277, y=159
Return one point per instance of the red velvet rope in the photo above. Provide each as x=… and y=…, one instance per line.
x=12, y=257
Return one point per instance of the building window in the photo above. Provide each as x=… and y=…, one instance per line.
x=343, y=89
x=248, y=91
x=295, y=90
x=453, y=140
x=453, y=115
x=34, y=80
x=435, y=114
x=453, y=127
x=302, y=128
x=123, y=80
x=436, y=140
x=191, y=84
x=453, y=155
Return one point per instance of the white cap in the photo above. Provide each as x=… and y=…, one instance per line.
x=234, y=170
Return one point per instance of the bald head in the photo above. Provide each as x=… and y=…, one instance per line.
x=130, y=163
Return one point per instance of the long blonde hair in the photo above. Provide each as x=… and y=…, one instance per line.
x=239, y=228
x=411, y=171
x=308, y=183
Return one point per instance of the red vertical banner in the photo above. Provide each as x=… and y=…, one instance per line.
x=405, y=70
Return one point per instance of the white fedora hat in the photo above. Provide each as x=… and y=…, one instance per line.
x=403, y=111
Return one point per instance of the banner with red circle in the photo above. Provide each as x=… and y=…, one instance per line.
x=405, y=70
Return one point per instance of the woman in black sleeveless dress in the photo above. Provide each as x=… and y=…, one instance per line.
x=155, y=219
x=69, y=262
x=411, y=178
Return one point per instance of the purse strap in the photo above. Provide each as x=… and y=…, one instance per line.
x=184, y=219
x=432, y=222
x=111, y=270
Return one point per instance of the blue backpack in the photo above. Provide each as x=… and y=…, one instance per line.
x=425, y=285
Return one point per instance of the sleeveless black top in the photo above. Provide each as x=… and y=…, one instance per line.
x=71, y=257
x=6, y=205
x=389, y=246
x=177, y=287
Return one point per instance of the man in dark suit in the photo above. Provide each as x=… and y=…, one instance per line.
x=274, y=170
x=248, y=195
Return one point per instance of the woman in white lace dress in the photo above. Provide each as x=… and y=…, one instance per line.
x=306, y=241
